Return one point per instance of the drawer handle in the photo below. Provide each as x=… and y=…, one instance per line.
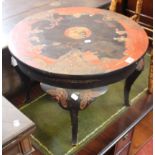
x=126, y=136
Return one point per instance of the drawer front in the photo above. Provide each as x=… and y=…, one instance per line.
x=124, y=150
x=124, y=142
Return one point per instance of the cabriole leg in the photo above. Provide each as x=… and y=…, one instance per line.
x=74, y=100
x=74, y=123
x=131, y=79
x=74, y=107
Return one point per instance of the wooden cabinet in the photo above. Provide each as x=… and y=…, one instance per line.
x=122, y=147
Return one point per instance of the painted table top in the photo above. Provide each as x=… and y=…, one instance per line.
x=78, y=41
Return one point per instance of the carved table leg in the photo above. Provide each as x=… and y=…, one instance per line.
x=130, y=80
x=74, y=121
x=74, y=109
x=73, y=100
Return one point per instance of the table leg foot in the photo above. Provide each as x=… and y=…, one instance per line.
x=130, y=80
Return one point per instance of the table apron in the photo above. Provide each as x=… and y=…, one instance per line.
x=77, y=82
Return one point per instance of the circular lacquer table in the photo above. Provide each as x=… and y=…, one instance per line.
x=74, y=52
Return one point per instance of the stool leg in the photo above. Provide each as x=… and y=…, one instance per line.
x=130, y=80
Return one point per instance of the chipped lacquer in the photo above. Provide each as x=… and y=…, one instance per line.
x=76, y=51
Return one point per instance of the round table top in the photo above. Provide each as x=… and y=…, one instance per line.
x=78, y=41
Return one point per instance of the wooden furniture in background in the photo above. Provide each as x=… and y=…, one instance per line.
x=142, y=10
